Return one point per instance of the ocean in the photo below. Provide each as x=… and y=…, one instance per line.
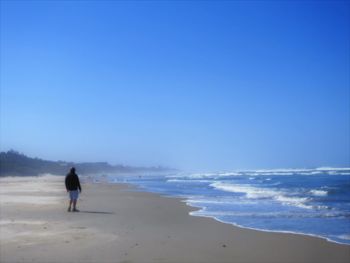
x=305, y=201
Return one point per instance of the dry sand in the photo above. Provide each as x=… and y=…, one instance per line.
x=119, y=224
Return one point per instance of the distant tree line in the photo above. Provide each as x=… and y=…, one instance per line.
x=13, y=163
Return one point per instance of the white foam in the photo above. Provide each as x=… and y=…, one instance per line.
x=230, y=174
x=345, y=237
x=250, y=191
x=294, y=201
x=319, y=192
x=268, y=172
x=288, y=171
x=333, y=168
x=220, y=201
x=188, y=181
x=261, y=193
x=201, y=175
x=211, y=175
x=196, y=213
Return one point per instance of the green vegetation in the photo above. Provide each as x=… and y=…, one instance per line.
x=13, y=163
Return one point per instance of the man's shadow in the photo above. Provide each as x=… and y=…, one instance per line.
x=97, y=212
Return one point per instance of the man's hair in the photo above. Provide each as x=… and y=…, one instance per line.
x=72, y=170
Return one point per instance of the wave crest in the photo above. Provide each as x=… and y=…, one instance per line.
x=319, y=192
x=252, y=192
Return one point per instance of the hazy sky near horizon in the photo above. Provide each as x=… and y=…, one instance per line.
x=212, y=85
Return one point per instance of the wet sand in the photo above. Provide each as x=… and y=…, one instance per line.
x=119, y=224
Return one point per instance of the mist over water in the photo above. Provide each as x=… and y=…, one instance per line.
x=306, y=201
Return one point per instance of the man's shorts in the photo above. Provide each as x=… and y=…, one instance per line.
x=73, y=195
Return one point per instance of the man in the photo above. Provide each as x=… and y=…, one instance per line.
x=72, y=186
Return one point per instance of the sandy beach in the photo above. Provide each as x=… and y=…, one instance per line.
x=118, y=223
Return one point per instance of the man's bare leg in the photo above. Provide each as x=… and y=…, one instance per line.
x=75, y=206
x=70, y=205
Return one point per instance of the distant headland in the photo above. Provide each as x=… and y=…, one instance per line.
x=13, y=163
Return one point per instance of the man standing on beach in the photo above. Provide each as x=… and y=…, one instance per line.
x=72, y=186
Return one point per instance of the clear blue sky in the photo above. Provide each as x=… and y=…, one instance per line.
x=194, y=85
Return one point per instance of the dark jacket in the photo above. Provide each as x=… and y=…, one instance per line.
x=72, y=182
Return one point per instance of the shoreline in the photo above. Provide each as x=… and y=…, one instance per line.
x=198, y=208
x=117, y=224
x=274, y=231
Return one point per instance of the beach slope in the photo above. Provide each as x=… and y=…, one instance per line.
x=119, y=224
